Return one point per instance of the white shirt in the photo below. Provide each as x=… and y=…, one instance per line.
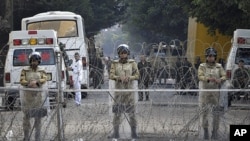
x=77, y=70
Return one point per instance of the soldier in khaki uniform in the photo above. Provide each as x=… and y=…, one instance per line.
x=211, y=75
x=32, y=101
x=124, y=71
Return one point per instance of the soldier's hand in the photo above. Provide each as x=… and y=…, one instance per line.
x=124, y=79
x=218, y=81
x=211, y=79
x=32, y=84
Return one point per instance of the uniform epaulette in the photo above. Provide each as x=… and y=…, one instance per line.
x=131, y=60
x=218, y=65
x=115, y=61
x=203, y=64
x=26, y=68
x=40, y=69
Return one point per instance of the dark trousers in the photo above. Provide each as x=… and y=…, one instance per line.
x=143, y=85
x=27, y=127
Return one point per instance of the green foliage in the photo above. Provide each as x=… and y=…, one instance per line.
x=97, y=14
x=110, y=39
x=224, y=15
x=154, y=21
x=2, y=9
x=105, y=14
x=145, y=20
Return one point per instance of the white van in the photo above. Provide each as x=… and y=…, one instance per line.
x=21, y=45
x=70, y=33
x=240, y=50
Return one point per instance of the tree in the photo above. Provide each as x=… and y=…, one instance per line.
x=105, y=14
x=110, y=39
x=154, y=21
x=224, y=15
x=5, y=22
x=163, y=19
x=97, y=14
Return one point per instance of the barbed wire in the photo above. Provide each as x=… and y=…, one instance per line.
x=167, y=115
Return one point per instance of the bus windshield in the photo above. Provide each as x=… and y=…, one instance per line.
x=65, y=29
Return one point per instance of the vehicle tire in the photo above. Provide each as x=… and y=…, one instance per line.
x=10, y=102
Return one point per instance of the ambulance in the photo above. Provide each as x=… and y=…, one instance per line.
x=240, y=50
x=21, y=45
x=71, y=36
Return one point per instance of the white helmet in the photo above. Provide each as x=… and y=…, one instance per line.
x=123, y=47
x=35, y=56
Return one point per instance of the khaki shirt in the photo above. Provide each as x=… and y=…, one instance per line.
x=206, y=71
x=128, y=69
x=32, y=99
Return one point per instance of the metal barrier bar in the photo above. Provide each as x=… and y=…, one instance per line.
x=132, y=90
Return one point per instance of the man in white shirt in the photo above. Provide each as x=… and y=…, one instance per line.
x=77, y=69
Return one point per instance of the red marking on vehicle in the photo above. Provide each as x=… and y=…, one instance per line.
x=22, y=57
x=45, y=56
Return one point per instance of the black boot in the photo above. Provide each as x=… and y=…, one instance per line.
x=147, y=97
x=133, y=132
x=115, y=134
x=206, y=135
x=26, y=135
x=230, y=98
x=214, y=135
x=38, y=136
x=140, y=96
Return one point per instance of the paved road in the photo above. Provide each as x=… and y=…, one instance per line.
x=92, y=120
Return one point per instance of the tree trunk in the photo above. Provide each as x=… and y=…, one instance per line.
x=8, y=14
x=5, y=21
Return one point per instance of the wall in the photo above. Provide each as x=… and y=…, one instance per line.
x=199, y=40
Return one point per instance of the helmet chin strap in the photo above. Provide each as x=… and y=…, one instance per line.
x=211, y=63
x=123, y=60
x=33, y=66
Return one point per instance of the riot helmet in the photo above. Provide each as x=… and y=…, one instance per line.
x=123, y=48
x=35, y=56
x=211, y=51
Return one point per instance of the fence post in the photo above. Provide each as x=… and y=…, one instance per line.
x=59, y=98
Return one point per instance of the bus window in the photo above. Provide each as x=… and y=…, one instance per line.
x=65, y=29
